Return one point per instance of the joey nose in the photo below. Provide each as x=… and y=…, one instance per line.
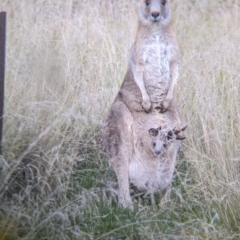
x=155, y=14
x=157, y=152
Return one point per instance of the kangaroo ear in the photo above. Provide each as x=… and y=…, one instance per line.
x=153, y=132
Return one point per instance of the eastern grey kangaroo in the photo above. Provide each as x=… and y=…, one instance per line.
x=146, y=90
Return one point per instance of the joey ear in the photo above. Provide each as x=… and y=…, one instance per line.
x=153, y=132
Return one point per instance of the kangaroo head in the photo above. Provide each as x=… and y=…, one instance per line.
x=155, y=11
x=163, y=138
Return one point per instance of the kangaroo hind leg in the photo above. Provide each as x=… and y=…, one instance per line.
x=121, y=148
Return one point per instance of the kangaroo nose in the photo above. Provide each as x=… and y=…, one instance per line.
x=155, y=14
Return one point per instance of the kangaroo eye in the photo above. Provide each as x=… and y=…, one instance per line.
x=165, y=145
x=147, y=2
x=163, y=2
x=154, y=144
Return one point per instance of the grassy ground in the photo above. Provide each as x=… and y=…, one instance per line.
x=65, y=63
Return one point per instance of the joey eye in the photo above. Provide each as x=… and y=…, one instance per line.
x=165, y=145
x=147, y=2
x=154, y=144
x=163, y=2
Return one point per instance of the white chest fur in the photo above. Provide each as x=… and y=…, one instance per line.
x=156, y=54
x=157, y=76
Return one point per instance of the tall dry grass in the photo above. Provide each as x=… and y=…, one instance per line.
x=65, y=63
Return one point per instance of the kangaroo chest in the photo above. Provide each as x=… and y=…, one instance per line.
x=157, y=75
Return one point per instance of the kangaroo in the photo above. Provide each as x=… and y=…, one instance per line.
x=153, y=60
x=147, y=89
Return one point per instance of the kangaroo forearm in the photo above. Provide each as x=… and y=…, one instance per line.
x=138, y=77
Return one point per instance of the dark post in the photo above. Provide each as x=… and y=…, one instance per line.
x=2, y=69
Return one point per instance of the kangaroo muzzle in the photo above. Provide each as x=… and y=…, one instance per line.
x=155, y=11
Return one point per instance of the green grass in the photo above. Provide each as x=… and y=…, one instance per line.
x=65, y=63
